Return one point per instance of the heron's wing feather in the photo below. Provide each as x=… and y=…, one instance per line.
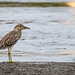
x=10, y=39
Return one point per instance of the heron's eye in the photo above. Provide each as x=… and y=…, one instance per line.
x=20, y=26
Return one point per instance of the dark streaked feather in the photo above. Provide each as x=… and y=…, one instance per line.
x=10, y=39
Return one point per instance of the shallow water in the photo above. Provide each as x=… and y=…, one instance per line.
x=51, y=37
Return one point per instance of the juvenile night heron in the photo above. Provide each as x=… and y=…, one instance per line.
x=11, y=38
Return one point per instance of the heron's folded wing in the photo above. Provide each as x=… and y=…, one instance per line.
x=9, y=40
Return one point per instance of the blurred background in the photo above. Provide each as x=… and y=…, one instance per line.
x=39, y=0
x=52, y=29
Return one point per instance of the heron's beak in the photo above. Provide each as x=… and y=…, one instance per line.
x=26, y=28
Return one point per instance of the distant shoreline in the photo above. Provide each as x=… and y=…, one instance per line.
x=34, y=4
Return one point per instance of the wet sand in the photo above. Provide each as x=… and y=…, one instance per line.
x=37, y=68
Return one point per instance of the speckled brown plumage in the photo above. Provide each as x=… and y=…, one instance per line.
x=11, y=38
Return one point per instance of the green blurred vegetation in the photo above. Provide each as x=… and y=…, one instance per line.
x=32, y=4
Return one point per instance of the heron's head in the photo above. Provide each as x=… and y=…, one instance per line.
x=20, y=27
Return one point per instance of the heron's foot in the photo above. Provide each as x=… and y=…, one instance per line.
x=13, y=61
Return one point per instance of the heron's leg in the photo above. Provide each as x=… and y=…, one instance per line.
x=9, y=54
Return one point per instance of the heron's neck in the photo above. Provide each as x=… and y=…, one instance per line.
x=17, y=30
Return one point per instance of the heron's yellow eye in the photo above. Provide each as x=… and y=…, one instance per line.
x=20, y=26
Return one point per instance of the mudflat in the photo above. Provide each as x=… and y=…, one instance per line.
x=37, y=68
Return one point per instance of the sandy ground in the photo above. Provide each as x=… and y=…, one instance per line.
x=37, y=68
